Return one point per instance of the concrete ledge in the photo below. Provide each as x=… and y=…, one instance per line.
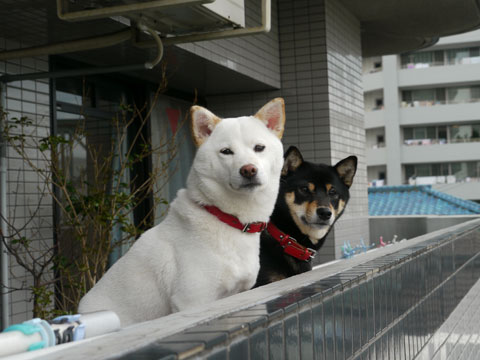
x=297, y=315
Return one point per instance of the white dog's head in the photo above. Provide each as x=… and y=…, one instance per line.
x=238, y=163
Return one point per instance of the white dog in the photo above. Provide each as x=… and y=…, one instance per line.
x=208, y=245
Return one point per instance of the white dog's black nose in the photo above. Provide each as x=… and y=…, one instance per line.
x=324, y=213
x=248, y=171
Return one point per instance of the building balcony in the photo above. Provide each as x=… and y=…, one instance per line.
x=437, y=76
x=374, y=119
x=373, y=81
x=439, y=153
x=437, y=114
x=376, y=157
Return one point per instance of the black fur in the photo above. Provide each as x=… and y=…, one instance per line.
x=297, y=174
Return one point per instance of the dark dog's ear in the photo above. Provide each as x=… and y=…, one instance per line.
x=346, y=169
x=293, y=159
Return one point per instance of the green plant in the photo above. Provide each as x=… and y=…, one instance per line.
x=95, y=208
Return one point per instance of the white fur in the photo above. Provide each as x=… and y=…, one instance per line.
x=191, y=257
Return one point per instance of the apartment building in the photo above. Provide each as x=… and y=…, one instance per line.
x=422, y=117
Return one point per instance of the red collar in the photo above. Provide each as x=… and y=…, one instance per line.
x=290, y=245
x=233, y=221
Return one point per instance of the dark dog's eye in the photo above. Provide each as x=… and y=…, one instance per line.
x=304, y=190
x=259, y=148
x=226, y=151
x=332, y=192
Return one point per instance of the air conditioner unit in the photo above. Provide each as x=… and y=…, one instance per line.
x=169, y=17
x=182, y=20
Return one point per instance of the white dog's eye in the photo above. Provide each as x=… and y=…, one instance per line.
x=226, y=151
x=259, y=148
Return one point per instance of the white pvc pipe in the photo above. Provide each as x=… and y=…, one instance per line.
x=4, y=274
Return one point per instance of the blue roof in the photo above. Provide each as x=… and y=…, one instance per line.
x=416, y=200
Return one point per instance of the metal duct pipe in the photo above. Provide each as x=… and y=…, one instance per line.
x=70, y=46
x=93, y=71
x=4, y=273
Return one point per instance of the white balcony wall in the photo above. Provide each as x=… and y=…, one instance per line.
x=468, y=39
x=439, y=76
x=440, y=153
x=438, y=114
x=374, y=119
x=371, y=100
x=372, y=138
x=373, y=172
x=376, y=157
x=373, y=81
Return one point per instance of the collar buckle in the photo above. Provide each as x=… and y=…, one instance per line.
x=261, y=226
x=313, y=254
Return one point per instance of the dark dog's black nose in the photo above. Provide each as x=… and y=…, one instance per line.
x=248, y=171
x=324, y=213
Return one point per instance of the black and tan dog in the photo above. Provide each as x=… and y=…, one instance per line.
x=311, y=198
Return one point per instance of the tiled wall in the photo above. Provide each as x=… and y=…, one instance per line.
x=385, y=308
x=346, y=117
x=30, y=99
x=256, y=56
x=321, y=82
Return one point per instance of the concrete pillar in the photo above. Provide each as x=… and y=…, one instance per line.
x=321, y=76
x=391, y=98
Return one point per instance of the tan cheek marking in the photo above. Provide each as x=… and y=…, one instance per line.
x=311, y=187
x=333, y=210
x=341, y=207
x=311, y=209
x=328, y=186
x=294, y=209
x=290, y=198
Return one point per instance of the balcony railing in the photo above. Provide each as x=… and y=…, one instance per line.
x=437, y=102
x=423, y=142
x=374, y=305
x=424, y=65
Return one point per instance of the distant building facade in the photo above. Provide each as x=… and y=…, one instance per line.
x=422, y=117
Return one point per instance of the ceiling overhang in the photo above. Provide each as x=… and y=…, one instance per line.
x=392, y=26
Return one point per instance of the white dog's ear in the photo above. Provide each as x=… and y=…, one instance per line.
x=203, y=123
x=273, y=116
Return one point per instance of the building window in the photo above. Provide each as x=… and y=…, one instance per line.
x=422, y=59
x=429, y=135
x=378, y=104
x=425, y=59
x=444, y=172
x=380, y=141
x=438, y=96
x=463, y=56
